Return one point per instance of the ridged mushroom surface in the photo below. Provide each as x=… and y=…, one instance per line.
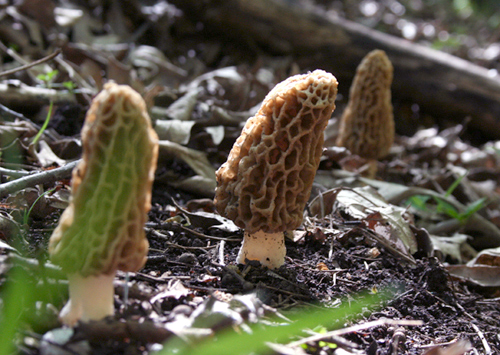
x=267, y=179
x=367, y=124
x=102, y=229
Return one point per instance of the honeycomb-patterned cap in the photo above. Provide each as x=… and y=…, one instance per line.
x=267, y=179
x=101, y=231
x=367, y=124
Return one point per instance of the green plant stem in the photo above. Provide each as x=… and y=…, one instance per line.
x=45, y=124
x=27, y=215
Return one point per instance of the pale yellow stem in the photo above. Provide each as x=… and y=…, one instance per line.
x=90, y=298
x=268, y=248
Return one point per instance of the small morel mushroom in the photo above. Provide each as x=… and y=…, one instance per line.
x=266, y=182
x=367, y=124
x=102, y=231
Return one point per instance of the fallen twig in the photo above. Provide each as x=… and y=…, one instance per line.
x=45, y=177
x=486, y=346
x=356, y=328
x=32, y=64
x=14, y=173
x=14, y=93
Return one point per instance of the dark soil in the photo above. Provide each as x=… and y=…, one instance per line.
x=192, y=265
x=449, y=309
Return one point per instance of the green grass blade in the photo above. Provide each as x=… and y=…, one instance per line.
x=230, y=342
x=45, y=124
x=473, y=208
x=454, y=185
x=15, y=295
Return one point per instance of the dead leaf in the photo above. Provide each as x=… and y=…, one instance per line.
x=9, y=231
x=217, y=133
x=66, y=17
x=450, y=246
x=374, y=252
x=489, y=257
x=182, y=109
x=459, y=348
x=482, y=275
x=317, y=235
x=295, y=235
x=195, y=159
x=3, y=245
x=322, y=205
x=42, y=11
x=118, y=72
x=175, y=290
x=177, y=131
x=203, y=204
x=208, y=220
x=45, y=156
x=197, y=185
x=397, y=193
x=322, y=266
x=153, y=66
x=363, y=202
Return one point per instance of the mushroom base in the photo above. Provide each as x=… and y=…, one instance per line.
x=90, y=298
x=267, y=248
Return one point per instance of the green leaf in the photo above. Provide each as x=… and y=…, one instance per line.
x=419, y=202
x=446, y=208
x=454, y=185
x=69, y=85
x=473, y=208
x=47, y=78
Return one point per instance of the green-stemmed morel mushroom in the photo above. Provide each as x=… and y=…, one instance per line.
x=102, y=231
x=267, y=179
x=367, y=124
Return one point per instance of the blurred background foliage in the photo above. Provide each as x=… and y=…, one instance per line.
x=466, y=28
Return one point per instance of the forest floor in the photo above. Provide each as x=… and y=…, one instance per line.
x=415, y=272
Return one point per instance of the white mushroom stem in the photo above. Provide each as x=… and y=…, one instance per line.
x=268, y=248
x=90, y=298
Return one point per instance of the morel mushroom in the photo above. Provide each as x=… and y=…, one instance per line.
x=101, y=231
x=367, y=124
x=265, y=183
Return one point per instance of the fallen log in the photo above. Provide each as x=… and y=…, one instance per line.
x=441, y=84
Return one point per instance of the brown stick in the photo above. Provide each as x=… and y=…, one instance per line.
x=32, y=64
x=45, y=177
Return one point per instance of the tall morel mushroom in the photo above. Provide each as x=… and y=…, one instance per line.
x=267, y=179
x=367, y=124
x=101, y=231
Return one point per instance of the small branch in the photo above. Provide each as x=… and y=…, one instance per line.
x=487, y=348
x=32, y=64
x=17, y=94
x=45, y=177
x=14, y=173
x=356, y=328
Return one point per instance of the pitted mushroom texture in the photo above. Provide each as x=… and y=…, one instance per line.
x=367, y=125
x=267, y=179
x=102, y=229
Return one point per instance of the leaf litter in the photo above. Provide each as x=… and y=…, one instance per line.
x=360, y=235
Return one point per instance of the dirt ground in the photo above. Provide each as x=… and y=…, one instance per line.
x=441, y=180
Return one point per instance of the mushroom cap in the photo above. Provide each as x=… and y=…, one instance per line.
x=267, y=179
x=101, y=231
x=367, y=124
